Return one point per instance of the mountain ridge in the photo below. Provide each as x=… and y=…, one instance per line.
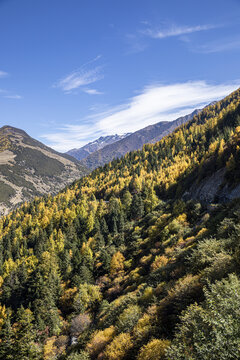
x=29, y=168
x=84, y=151
x=149, y=134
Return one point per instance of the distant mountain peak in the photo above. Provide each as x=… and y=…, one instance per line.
x=95, y=145
x=134, y=141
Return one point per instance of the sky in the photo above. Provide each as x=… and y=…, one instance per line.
x=74, y=70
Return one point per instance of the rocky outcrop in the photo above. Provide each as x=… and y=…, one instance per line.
x=213, y=189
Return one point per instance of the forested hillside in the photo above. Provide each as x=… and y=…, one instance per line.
x=128, y=263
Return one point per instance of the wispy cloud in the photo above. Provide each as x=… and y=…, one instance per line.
x=154, y=103
x=15, y=97
x=135, y=43
x=72, y=136
x=93, y=92
x=219, y=46
x=176, y=30
x=3, y=74
x=138, y=42
x=83, y=76
x=80, y=78
x=6, y=93
x=163, y=103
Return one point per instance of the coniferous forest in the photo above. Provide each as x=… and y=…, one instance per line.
x=140, y=260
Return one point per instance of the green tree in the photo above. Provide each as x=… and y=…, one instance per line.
x=82, y=355
x=137, y=207
x=25, y=336
x=87, y=297
x=129, y=318
x=211, y=331
x=7, y=348
x=126, y=201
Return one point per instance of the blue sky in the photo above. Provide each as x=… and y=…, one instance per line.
x=73, y=70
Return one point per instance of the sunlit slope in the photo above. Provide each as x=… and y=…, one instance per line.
x=111, y=262
x=28, y=168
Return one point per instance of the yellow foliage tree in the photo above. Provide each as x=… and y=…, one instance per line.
x=3, y=315
x=99, y=341
x=119, y=347
x=87, y=296
x=117, y=263
x=49, y=350
x=143, y=327
x=160, y=261
x=154, y=350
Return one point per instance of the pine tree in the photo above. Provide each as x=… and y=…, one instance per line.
x=25, y=336
x=137, y=207
x=104, y=228
x=7, y=349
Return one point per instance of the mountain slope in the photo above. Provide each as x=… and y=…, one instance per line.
x=96, y=145
x=135, y=141
x=123, y=264
x=29, y=168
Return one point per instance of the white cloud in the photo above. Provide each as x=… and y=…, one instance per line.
x=3, y=74
x=16, y=97
x=81, y=77
x=153, y=104
x=162, y=102
x=176, y=30
x=138, y=42
x=93, y=92
x=72, y=136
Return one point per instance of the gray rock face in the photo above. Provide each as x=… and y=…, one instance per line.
x=211, y=189
x=228, y=194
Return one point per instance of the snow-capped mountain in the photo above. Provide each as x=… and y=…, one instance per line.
x=96, y=145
